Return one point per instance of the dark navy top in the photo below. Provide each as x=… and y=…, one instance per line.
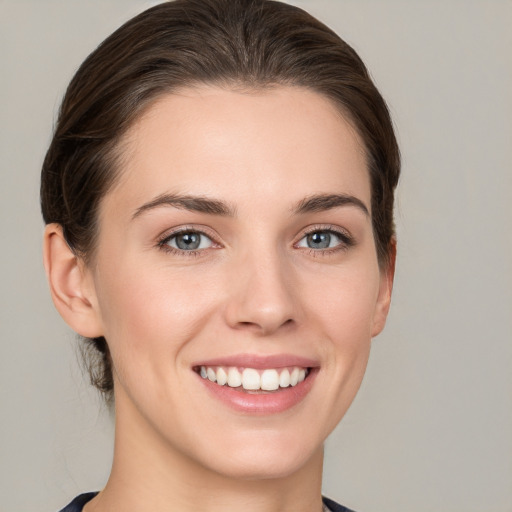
x=78, y=504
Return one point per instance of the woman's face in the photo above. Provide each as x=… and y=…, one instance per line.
x=238, y=246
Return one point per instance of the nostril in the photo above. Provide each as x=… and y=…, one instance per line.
x=264, y=327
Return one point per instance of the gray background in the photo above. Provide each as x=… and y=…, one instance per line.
x=432, y=426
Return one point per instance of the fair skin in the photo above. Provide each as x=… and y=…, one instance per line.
x=275, y=280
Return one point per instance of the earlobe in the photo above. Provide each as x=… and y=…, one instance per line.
x=385, y=291
x=71, y=286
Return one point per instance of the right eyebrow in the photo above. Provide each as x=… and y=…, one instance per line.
x=186, y=202
x=322, y=202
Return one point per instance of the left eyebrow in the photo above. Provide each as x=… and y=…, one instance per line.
x=191, y=203
x=322, y=202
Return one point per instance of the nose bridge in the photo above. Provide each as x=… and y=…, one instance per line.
x=263, y=295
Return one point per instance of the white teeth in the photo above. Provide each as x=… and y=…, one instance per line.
x=251, y=379
x=284, y=378
x=270, y=380
x=222, y=376
x=234, y=378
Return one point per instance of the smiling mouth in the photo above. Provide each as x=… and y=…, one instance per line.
x=252, y=380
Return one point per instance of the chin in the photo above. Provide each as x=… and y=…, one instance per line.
x=264, y=457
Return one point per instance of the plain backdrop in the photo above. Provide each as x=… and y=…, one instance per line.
x=432, y=426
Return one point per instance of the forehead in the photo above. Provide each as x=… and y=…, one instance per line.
x=284, y=142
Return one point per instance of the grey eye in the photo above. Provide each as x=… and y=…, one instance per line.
x=320, y=240
x=189, y=241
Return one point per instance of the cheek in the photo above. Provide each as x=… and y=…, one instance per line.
x=152, y=312
x=345, y=310
x=346, y=302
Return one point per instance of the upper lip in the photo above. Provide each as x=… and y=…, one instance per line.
x=260, y=362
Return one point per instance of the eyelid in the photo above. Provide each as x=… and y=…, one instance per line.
x=163, y=239
x=347, y=240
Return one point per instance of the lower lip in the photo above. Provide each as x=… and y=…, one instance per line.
x=262, y=403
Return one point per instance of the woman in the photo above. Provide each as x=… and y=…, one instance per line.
x=218, y=197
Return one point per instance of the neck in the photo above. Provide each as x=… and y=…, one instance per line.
x=149, y=474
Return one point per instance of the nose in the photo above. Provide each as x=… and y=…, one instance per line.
x=262, y=296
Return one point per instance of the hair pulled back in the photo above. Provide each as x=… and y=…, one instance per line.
x=232, y=43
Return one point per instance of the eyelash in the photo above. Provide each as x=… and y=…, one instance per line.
x=163, y=242
x=346, y=241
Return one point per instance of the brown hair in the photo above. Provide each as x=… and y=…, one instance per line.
x=250, y=43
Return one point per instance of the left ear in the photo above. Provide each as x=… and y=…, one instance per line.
x=71, y=286
x=387, y=275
